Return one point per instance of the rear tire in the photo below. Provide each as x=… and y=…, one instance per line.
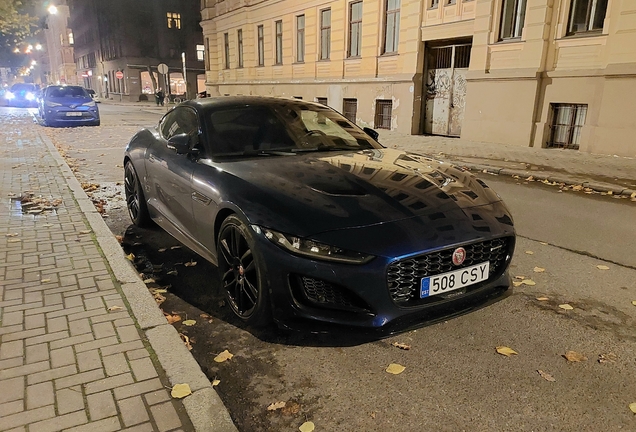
x=242, y=276
x=135, y=200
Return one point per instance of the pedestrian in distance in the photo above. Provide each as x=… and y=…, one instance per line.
x=159, y=96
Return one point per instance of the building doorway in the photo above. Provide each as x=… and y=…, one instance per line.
x=445, y=88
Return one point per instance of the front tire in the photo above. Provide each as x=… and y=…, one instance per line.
x=135, y=200
x=241, y=274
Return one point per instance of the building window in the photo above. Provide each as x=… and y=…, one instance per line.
x=71, y=39
x=325, y=34
x=355, y=29
x=567, y=122
x=174, y=20
x=350, y=108
x=239, y=37
x=322, y=100
x=587, y=16
x=300, y=38
x=513, y=15
x=261, y=45
x=226, y=42
x=383, y=111
x=392, y=26
x=200, y=52
x=207, y=52
x=434, y=4
x=279, y=42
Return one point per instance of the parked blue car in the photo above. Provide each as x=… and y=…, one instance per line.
x=22, y=95
x=68, y=106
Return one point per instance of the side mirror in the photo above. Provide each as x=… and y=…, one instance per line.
x=373, y=134
x=180, y=143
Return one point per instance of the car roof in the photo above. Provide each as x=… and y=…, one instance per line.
x=216, y=102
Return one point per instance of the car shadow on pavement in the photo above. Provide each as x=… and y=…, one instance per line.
x=189, y=286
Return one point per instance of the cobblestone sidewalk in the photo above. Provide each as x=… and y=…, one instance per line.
x=71, y=355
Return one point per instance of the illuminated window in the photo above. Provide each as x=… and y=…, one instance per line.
x=71, y=41
x=174, y=20
x=200, y=52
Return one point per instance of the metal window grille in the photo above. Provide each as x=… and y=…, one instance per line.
x=513, y=14
x=350, y=108
x=462, y=56
x=587, y=16
x=226, y=37
x=567, y=123
x=300, y=38
x=261, y=45
x=239, y=35
x=325, y=34
x=279, y=42
x=321, y=100
x=383, y=111
x=440, y=58
x=392, y=26
x=355, y=29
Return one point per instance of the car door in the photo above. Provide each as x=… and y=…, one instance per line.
x=169, y=174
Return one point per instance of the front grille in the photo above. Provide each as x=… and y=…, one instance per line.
x=404, y=276
x=322, y=293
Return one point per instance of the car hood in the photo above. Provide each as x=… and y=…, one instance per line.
x=69, y=101
x=318, y=192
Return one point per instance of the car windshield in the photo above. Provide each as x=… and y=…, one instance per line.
x=282, y=127
x=67, y=91
x=22, y=87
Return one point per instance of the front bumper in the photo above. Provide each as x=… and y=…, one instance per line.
x=63, y=115
x=312, y=294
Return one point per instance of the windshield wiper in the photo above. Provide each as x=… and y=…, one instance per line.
x=272, y=152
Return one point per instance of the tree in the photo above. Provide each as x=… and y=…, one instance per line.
x=17, y=22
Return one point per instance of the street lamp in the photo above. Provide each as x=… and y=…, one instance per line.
x=38, y=47
x=52, y=10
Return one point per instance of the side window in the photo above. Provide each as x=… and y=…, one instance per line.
x=178, y=121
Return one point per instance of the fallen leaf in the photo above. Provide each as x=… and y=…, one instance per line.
x=276, y=405
x=634, y=302
x=573, y=356
x=159, y=291
x=520, y=277
x=529, y=252
x=542, y=298
x=395, y=369
x=130, y=257
x=172, y=272
x=517, y=283
x=225, y=355
x=162, y=250
x=11, y=235
x=401, y=346
x=186, y=341
x=632, y=406
x=372, y=414
x=159, y=298
x=216, y=382
x=539, y=270
x=14, y=241
x=602, y=267
x=114, y=308
x=205, y=316
x=190, y=264
x=175, y=247
x=149, y=281
x=528, y=282
x=189, y=322
x=546, y=375
x=85, y=232
x=607, y=358
x=307, y=427
x=173, y=318
x=543, y=243
x=633, y=195
x=180, y=391
x=119, y=238
x=504, y=350
x=45, y=280
x=566, y=306
x=290, y=408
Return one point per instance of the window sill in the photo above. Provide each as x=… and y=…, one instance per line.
x=277, y=64
x=299, y=63
x=509, y=41
x=389, y=54
x=433, y=7
x=324, y=60
x=353, y=58
x=591, y=33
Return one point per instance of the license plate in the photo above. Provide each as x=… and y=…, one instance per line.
x=73, y=114
x=451, y=281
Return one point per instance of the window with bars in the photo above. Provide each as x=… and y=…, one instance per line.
x=300, y=38
x=587, y=16
x=567, y=122
x=325, y=34
x=462, y=56
x=226, y=40
x=513, y=13
x=261, y=45
x=239, y=46
x=321, y=100
x=391, y=26
x=383, y=111
x=279, y=42
x=350, y=108
x=355, y=29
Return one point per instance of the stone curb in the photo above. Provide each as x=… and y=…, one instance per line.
x=204, y=406
x=557, y=178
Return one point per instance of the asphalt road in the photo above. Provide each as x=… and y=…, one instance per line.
x=454, y=379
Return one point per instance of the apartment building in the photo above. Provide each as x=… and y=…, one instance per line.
x=59, y=46
x=542, y=73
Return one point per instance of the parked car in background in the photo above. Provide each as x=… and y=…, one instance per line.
x=308, y=217
x=22, y=95
x=68, y=106
x=93, y=95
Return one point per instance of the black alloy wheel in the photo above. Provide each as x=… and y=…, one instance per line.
x=135, y=200
x=241, y=275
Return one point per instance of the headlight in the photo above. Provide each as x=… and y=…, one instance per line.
x=52, y=104
x=91, y=103
x=313, y=249
x=9, y=95
x=30, y=96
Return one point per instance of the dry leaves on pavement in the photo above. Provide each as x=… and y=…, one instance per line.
x=634, y=302
x=539, y=270
x=45, y=280
x=307, y=427
x=566, y=306
x=528, y=282
x=172, y=318
x=504, y=350
x=401, y=345
x=189, y=323
x=543, y=298
x=574, y=357
x=276, y=405
x=225, y=355
x=607, y=358
x=632, y=406
x=11, y=235
x=528, y=252
x=190, y=263
x=149, y=281
x=186, y=341
x=546, y=375
x=180, y=391
x=216, y=382
x=130, y=257
x=114, y=308
x=602, y=267
x=395, y=369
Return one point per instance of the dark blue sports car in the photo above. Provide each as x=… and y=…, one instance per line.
x=308, y=217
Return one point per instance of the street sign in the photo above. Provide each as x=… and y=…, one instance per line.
x=119, y=75
x=163, y=68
